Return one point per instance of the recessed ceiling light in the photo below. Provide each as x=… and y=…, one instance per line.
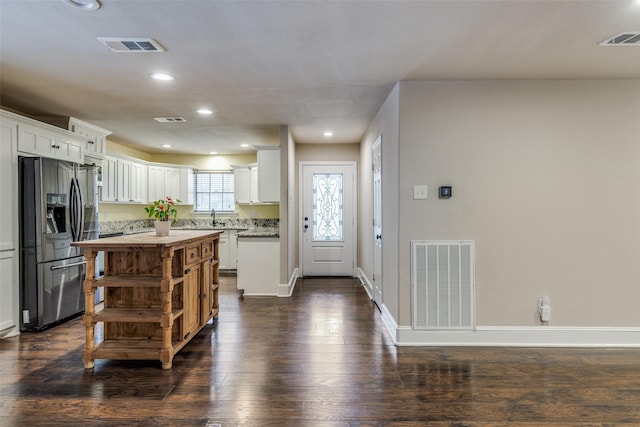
x=84, y=4
x=213, y=152
x=204, y=111
x=328, y=134
x=166, y=145
x=245, y=145
x=162, y=76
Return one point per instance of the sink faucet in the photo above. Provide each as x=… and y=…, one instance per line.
x=213, y=215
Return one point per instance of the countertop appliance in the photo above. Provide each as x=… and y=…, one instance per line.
x=58, y=205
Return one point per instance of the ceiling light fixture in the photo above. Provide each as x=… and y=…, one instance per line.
x=245, y=145
x=166, y=145
x=204, y=111
x=328, y=134
x=162, y=76
x=84, y=4
x=213, y=152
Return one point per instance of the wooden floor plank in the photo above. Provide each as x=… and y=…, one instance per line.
x=321, y=358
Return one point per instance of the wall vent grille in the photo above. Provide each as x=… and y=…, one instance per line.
x=630, y=38
x=131, y=45
x=442, y=281
x=170, y=119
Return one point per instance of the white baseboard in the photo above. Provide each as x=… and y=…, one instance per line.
x=390, y=323
x=286, y=289
x=507, y=336
x=366, y=284
x=8, y=330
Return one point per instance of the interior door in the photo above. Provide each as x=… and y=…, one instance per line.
x=377, y=220
x=328, y=213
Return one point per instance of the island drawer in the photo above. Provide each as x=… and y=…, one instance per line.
x=207, y=250
x=192, y=254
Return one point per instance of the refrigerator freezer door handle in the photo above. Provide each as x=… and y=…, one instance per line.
x=73, y=209
x=80, y=210
x=76, y=211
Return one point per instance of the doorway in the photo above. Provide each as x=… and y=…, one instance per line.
x=328, y=218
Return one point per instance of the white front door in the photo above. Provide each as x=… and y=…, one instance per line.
x=377, y=220
x=327, y=218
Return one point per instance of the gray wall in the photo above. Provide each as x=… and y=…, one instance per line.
x=546, y=180
x=386, y=123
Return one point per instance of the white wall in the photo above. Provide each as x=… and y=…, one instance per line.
x=546, y=180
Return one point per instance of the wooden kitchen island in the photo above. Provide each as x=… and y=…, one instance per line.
x=159, y=293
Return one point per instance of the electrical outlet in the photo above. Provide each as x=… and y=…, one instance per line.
x=544, y=309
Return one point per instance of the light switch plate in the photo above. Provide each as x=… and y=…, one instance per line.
x=419, y=192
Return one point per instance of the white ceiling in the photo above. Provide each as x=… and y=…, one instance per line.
x=312, y=65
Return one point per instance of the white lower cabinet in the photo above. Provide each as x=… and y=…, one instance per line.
x=9, y=291
x=228, y=250
x=258, y=265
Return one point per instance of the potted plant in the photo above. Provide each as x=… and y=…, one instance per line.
x=164, y=213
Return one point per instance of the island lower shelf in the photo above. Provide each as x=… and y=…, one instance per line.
x=159, y=293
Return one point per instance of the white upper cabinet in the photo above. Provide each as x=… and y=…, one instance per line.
x=259, y=182
x=48, y=141
x=242, y=184
x=171, y=181
x=123, y=181
x=269, y=174
x=95, y=137
x=109, y=179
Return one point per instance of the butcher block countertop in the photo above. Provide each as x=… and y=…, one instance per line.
x=148, y=240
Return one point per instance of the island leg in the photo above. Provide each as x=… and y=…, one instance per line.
x=89, y=308
x=166, y=353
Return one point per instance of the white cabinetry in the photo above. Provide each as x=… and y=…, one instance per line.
x=258, y=265
x=175, y=182
x=253, y=188
x=95, y=138
x=269, y=174
x=242, y=184
x=123, y=181
x=109, y=179
x=155, y=186
x=259, y=182
x=49, y=142
x=228, y=250
x=9, y=303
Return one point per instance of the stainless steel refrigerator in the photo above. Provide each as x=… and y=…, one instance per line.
x=58, y=205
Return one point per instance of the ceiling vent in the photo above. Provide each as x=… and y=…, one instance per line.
x=623, y=39
x=170, y=119
x=131, y=45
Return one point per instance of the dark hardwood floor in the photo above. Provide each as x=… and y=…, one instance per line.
x=320, y=358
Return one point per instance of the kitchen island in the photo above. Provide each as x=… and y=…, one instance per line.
x=159, y=293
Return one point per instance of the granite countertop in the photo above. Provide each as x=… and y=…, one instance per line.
x=260, y=232
x=242, y=231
